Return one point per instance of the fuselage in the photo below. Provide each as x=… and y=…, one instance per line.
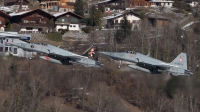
x=146, y=63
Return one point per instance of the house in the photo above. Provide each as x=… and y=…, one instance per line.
x=157, y=20
x=9, y=37
x=17, y=4
x=32, y=21
x=67, y=20
x=193, y=4
x=49, y=4
x=137, y=3
x=66, y=5
x=57, y=5
x=114, y=20
x=162, y=3
x=111, y=5
x=3, y=17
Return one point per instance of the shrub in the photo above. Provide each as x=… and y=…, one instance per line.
x=62, y=31
x=54, y=36
x=87, y=29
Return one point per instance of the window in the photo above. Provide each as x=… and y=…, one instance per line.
x=73, y=20
x=10, y=49
x=0, y=22
x=1, y=49
x=6, y=49
x=116, y=21
x=40, y=29
x=63, y=4
x=29, y=28
x=15, y=51
x=63, y=20
x=1, y=41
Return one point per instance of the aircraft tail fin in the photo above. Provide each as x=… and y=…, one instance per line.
x=91, y=52
x=180, y=60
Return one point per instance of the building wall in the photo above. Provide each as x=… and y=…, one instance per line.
x=15, y=51
x=135, y=3
x=130, y=18
x=161, y=23
x=70, y=27
x=67, y=22
x=2, y=22
x=67, y=5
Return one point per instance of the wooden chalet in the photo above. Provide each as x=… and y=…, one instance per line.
x=17, y=4
x=49, y=4
x=67, y=20
x=137, y=3
x=157, y=20
x=32, y=21
x=3, y=17
x=67, y=5
x=111, y=5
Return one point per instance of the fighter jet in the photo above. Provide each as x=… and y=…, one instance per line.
x=151, y=65
x=58, y=55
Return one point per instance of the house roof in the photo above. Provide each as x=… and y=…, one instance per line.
x=13, y=1
x=57, y=15
x=25, y=12
x=47, y=0
x=157, y=16
x=4, y=14
x=119, y=15
x=104, y=1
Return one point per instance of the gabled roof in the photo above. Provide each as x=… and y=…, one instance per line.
x=4, y=14
x=57, y=15
x=27, y=11
x=119, y=15
x=157, y=16
x=13, y=1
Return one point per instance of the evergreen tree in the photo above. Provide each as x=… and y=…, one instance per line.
x=96, y=16
x=125, y=29
x=78, y=8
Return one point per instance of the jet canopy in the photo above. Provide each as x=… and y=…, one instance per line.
x=42, y=44
x=131, y=52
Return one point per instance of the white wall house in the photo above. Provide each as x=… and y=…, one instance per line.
x=67, y=20
x=6, y=49
x=115, y=20
x=162, y=3
x=71, y=27
x=193, y=4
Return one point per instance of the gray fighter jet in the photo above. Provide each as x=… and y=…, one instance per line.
x=58, y=55
x=151, y=65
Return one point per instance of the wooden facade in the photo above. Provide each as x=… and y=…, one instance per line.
x=67, y=20
x=135, y=3
x=49, y=4
x=67, y=5
x=112, y=4
x=58, y=5
x=3, y=17
x=158, y=21
x=34, y=21
x=16, y=2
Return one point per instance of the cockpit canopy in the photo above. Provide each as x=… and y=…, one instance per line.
x=131, y=52
x=42, y=44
